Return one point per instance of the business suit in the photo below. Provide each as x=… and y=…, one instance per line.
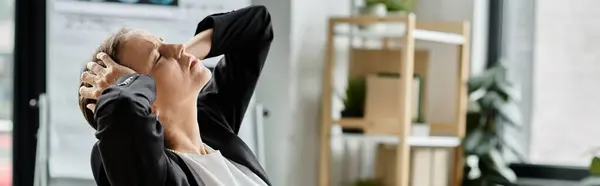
x=130, y=148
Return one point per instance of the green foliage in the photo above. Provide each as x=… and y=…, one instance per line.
x=355, y=95
x=373, y=2
x=367, y=182
x=399, y=5
x=595, y=166
x=496, y=100
x=393, y=5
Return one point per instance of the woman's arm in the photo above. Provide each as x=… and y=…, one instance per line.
x=243, y=37
x=130, y=140
x=200, y=44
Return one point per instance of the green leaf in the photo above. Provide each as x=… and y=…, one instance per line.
x=501, y=166
x=511, y=112
x=510, y=91
x=373, y=2
x=511, y=144
x=488, y=143
x=367, y=182
x=355, y=93
x=490, y=101
x=483, y=81
x=473, y=139
x=472, y=106
x=595, y=166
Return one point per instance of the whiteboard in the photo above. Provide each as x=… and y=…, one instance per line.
x=72, y=38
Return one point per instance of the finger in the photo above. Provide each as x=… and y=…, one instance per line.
x=95, y=68
x=88, y=78
x=109, y=62
x=91, y=106
x=89, y=92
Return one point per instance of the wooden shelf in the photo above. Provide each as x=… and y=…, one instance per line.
x=352, y=123
x=398, y=31
x=414, y=141
x=435, y=129
x=406, y=30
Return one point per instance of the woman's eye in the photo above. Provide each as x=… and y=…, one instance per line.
x=158, y=58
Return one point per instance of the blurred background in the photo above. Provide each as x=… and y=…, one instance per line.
x=503, y=91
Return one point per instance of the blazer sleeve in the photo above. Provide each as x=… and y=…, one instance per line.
x=243, y=37
x=130, y=139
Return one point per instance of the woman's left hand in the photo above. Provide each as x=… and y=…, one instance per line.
x=101, y=77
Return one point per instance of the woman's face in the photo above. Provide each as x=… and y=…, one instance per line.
x=179, y=76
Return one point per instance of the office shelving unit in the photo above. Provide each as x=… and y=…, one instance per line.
x=456, y=34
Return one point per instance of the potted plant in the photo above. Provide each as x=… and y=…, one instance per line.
x=374, y=8
x=354, y=101
x=492, y=111
x=594, y=168
x=399, y=7
x=367, y=182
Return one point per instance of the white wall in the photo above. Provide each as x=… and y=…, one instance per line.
x=291, y=82
x=274, y=92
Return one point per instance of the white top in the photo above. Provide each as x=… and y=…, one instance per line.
x=215, y=170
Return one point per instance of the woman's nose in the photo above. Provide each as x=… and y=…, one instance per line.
x=172, y=50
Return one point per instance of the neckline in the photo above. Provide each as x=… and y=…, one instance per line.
x=208, y=149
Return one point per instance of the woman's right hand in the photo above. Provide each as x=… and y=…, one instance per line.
x=101, y=77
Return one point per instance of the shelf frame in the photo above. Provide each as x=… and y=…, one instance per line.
x=441, y=32
x=406, y=67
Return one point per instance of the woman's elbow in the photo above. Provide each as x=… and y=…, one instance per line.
x=262, y=13
x=115, y=104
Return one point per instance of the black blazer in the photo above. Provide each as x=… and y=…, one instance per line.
x=130, y=149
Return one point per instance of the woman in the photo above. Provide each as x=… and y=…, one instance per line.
x=159, y=113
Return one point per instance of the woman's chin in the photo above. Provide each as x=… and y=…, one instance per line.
x=201, y=77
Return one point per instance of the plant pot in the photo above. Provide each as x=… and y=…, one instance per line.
x=352, y=113
x=420, y=129
x=399, y=13
x=379, y=10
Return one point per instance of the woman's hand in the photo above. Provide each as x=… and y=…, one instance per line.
x=101, y=77
x=199, y=45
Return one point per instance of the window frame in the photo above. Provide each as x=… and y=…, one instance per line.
x=29, y=81
x=497, y=41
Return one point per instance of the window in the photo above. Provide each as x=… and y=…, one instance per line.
x=6, y=80
x=553, y=49
x=565, y=95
